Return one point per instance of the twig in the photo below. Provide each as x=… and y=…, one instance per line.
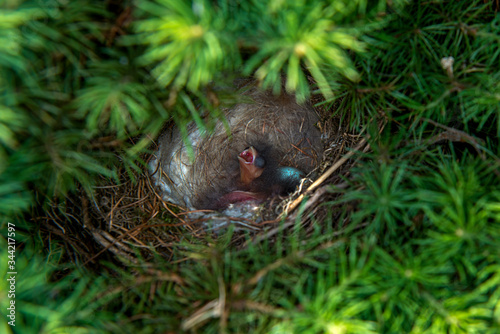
x=452, y=134
x=329, y=172
x=323, y=177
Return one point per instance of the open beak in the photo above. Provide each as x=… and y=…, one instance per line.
x=251, y=165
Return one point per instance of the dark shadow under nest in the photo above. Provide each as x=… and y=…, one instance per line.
x=129, y=220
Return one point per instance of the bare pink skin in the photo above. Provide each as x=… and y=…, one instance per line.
x=238, y=196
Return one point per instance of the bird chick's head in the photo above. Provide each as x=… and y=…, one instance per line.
x=251, y=165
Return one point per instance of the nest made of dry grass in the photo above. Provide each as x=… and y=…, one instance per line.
x=129, y=220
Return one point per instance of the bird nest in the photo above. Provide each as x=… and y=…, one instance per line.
x=130, y=220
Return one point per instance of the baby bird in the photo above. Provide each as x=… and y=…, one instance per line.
x=258, y=182
x=251, y=165
x=272, y=144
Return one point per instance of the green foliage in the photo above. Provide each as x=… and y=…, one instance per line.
x=113, y=100
x=53, y=52
x=308, y=34
x=319, y=283
x=191, y=42
x=404, y=76
x=417, y=246
x=384, y=199
x=42, y=305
